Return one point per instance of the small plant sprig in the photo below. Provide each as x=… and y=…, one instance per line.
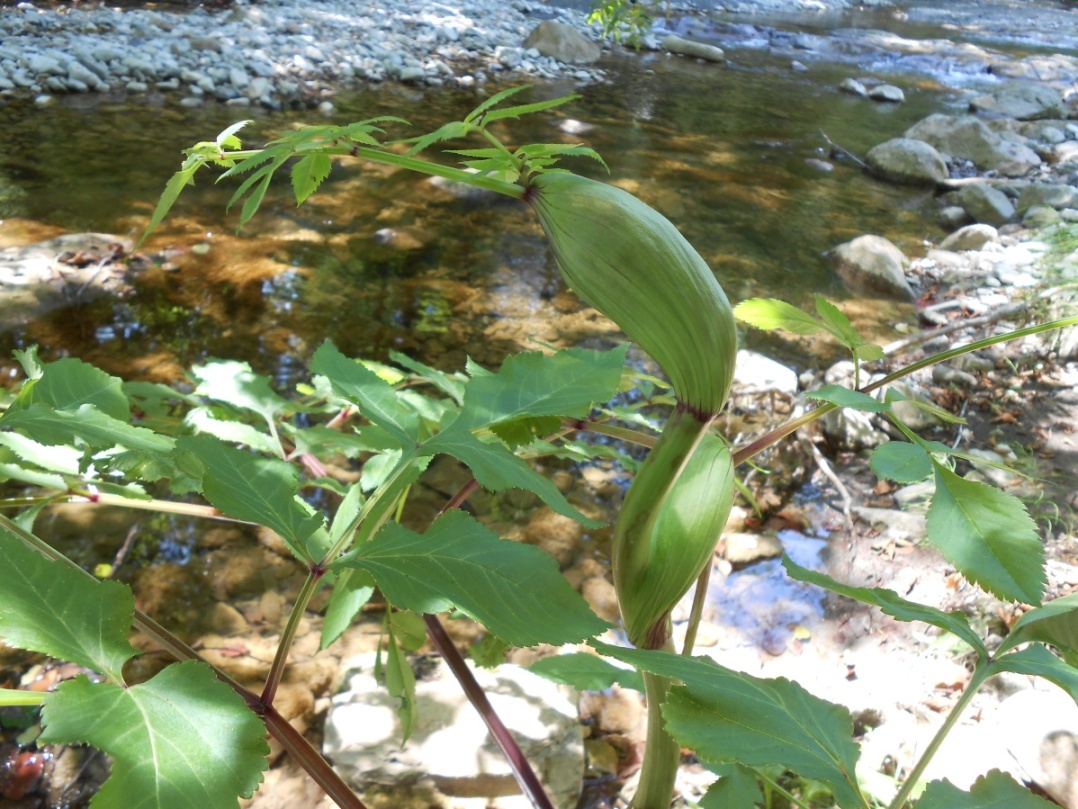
x=497, y=168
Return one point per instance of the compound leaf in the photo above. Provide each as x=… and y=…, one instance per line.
x=182, y=738
x=988, y=536
x=374, y=396
x=497, y=469
x=726, y=715
x=736, y=789
x=51, y=608
x=995, y=790
x=566, y=383
x=86, y=424
x=892, y=603
x=515, y=590
x=70, y=383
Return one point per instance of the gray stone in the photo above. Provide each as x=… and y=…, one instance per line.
x=967, y=137
x=39, y=63
x=1053, y=195
x=754, y=372
x=1024, y=101
x=1040, y=216
x=971, y=237
x=451, y=753
x=696, y=50
x=562, y=42
x=952, y=217
x=853, y=87
x=986, y=204
x=905, y=160
x=888, y=93
x=76, y=71
x=893, y=525
x=872, y=264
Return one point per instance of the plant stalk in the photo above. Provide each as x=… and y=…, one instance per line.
x=280, y=658
x=980, y=674
x=662, y=755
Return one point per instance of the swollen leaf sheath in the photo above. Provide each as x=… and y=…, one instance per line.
x=631, y=263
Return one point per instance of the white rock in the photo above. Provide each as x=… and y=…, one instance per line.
x=753, y=373
x=451, y=750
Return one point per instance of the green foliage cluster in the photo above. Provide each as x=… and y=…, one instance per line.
x=229, y=445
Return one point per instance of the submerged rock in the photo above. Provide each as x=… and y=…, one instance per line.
x=888, y=93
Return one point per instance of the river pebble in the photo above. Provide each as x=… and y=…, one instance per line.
x=277, y=53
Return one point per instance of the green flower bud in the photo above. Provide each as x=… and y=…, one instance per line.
x=629, y=262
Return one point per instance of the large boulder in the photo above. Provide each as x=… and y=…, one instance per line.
x=905, y=160
x=985, y=204
x=1024, y=101
x=562, y=42
x=872, y=265
x=967, y=137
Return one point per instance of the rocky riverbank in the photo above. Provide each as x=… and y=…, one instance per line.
x=285, y=52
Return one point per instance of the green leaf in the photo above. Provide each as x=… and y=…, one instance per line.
x=47, y=480
x=1055, y=622
x=892, y=604
x=768, y=314
x=535, y=384
x=586, y=672
x=988, y=536
x=726, y=716
x=494, y=100
x=70, y=383
x=837, y=323
x=524, y=430
x=236, y=384
x=901, y=462
x=451, y=385
x=409, y=628
x=400, y=683
x=526, y=109
x=61, y=458
x=996, y=790
x=308, y=174
x=353, y=589
x=515, y=590
x=736, y=789
x=227, y=139
x=867, y=352
x=1037, y=661
x=489, y=652
x=182, y=738
x=844, y=397
x=497, y=469
x=176, y=183
x=87, y=424
x=51, y=608
x=200, y=420
x=374, y=397
x=259, y=490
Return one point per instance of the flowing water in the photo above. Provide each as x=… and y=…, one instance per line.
x=383, y=260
